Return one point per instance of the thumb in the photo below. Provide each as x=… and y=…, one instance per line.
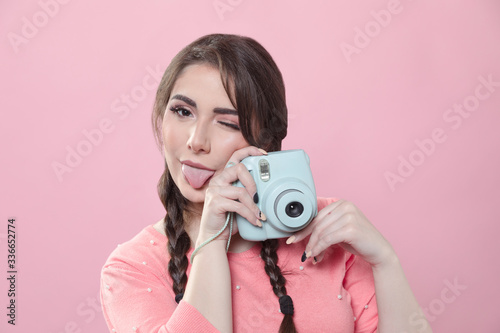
x=300, y=235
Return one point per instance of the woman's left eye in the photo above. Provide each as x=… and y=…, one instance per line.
x=230, y=125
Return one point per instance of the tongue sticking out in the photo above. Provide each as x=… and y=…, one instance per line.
x=196, y=177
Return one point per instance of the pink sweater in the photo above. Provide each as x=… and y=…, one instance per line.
x=336, y=295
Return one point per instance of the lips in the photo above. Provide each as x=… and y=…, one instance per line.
x=196, y=174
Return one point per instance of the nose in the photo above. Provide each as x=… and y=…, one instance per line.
x=199, y=141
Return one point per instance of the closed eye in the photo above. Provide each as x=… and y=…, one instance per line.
x=233, y=126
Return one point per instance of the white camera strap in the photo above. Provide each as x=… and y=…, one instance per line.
x=229, y=217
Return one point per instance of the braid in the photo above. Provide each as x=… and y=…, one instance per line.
x=178, y=239
x=270, y=258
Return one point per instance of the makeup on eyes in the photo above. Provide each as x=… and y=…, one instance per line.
x=176, y=109
x=231, y=125
x=179, y=109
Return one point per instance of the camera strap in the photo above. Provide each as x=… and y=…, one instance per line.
x=228, y=218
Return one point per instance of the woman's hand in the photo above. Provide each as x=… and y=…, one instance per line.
x=344, y=224
x=222, y=197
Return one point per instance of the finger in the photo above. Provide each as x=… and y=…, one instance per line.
x=240, y=194
x=240, y=154
x=343, y=207
x=333, y=208
x=318, y=258
x=236, y=171
x=225, y=201
x=246, y=179
x=302, y=234
x=331, y=236
x=334, y=212
x=323, y=238
x=330, y=223
x=243, y=175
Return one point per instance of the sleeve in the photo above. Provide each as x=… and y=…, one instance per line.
x=359, y=283
x=133, y=301
x=323, y=202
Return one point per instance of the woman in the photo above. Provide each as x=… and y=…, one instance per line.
x=222, y=99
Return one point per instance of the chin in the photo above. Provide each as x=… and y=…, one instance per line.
x=191, y=194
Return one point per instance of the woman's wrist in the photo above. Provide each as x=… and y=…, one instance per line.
x=204, y=236
x=209, y=248
x=389, y=261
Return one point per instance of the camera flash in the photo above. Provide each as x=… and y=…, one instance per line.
x=264, y=170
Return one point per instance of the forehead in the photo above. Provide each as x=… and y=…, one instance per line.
x=202, y=80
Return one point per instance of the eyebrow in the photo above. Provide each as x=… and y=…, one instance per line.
x=185, y=99
x=225, y=111
x=193, y=104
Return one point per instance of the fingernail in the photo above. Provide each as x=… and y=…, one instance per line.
x=315, y=261
x=262, y=151
x=290, y=240
x=263, y=217
x=256, y=197
x=304, y=257
x=259, y=224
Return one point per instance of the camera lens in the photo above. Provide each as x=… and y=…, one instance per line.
x=294, y=209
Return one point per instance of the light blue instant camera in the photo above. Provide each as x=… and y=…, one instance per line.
x=286, y=191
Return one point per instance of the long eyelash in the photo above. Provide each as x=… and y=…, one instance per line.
x=176, y=109
x=233, y=126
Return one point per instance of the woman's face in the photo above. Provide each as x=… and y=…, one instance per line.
x=200, y=130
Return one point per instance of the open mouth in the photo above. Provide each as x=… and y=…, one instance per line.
x=196, y=177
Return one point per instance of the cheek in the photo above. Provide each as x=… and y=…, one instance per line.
x=172, y=136
x=229, y=144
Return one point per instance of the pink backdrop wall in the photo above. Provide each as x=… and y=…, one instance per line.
x=396, y=102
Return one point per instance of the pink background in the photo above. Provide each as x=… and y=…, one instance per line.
x=357, y=115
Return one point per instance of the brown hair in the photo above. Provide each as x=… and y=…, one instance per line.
x=259, y=96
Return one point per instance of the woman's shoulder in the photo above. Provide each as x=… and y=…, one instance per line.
x=145, y=251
